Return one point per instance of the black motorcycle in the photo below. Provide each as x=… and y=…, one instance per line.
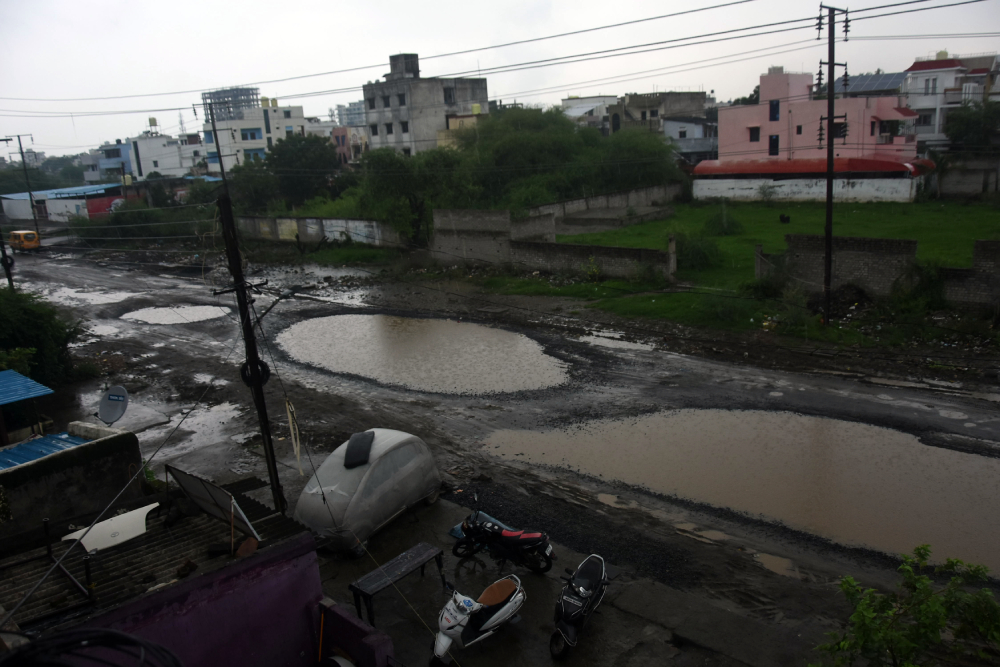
x=580, y=597
x=532, y=550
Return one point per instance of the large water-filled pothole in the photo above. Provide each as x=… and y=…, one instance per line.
x=441, y=356
x=853, y=483
x=176, y=314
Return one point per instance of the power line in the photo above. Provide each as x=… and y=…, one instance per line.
x=366, y=67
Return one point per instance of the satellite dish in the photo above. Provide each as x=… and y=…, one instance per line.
x=112, y=406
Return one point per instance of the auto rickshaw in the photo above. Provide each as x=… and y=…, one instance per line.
x=24, y=240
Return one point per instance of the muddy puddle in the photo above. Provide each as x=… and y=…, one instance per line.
x=176, y=314
x=856, y=484
x=441, y=356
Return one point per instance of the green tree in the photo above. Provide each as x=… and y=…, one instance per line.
x=253, y=187
x=921, y=624
x=973, y=126
x=71, y=174
x=304, y=166
x=752, y=98
x=153, y=176
x=29, y=323
x=390, y=191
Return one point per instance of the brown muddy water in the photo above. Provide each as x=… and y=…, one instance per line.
x=442, y=356
x=856, y=484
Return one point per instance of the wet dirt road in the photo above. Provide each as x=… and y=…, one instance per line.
x=759, y=480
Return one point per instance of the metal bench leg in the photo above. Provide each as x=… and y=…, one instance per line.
x=370, y=603
x=357, y=604
x=440, y=563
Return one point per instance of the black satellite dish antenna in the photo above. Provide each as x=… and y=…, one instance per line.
x=112, y=406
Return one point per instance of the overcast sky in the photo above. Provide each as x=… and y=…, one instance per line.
x=95, y=48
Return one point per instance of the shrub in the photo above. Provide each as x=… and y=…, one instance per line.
x=723, y=224
x=766, y=193
x=697, y=252
x=28, y=323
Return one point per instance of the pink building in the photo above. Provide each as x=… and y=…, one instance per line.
x=785, y=125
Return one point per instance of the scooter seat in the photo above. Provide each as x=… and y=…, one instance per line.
x=590, y=574
x=498, y=593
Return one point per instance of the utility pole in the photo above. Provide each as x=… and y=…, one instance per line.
x=830, y=111
x=254, y=368
x=8, y=262
x=24, y=165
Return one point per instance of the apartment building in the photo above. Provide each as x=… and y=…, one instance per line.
x=248, y=125
x=406, y=111
x=935, y=85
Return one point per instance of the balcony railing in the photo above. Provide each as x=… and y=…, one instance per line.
x=895, y=138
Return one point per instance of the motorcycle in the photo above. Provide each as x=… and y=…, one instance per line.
x=468, y=621
x=531, y=550
x=580, y=597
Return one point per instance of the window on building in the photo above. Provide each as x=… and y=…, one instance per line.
x=406, y=152
x=874, y=127
x=156, y=163
x=374, y=129
x=772, y=144
x=385, y=101
x=774, y=110
x=269, y=143
x=653, y=113
x=402, y=99
x=798, y=129
x=112, y=152
x=404, y=126
x=682, y=134
x=449, y=95
x=388, y=128
x=754, y=134
x=197, y=153
x=289, y=131
x=840, y=130
x=256, y=154
x=213, y=157
x=930, y=86
x=643, y=116
x=288, y=113
x=209, y=138
x=251, y=134
x=371, y=102
x=925, y=119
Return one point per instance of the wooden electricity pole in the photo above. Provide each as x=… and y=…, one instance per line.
x=253, y=369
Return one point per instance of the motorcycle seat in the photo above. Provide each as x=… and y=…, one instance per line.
x=521, y=537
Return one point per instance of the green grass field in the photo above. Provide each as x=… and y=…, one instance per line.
x=945, y=231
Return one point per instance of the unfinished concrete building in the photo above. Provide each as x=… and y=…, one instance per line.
x=406, y=112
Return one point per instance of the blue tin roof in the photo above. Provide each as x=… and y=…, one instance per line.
x=15, y=387
x=32, y=450
x=66, y=193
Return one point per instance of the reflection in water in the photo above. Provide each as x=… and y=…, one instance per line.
x=429, y=355
x=853, y=483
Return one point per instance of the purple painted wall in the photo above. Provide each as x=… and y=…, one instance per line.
x=259, y=610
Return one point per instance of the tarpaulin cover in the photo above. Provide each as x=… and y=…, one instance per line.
x=349, y=504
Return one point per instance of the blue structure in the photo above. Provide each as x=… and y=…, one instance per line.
x=15, y=387
x=37, y=448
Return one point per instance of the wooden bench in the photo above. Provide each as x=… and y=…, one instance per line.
x=381, y=578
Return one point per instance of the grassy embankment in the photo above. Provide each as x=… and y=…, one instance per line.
x=724, y=298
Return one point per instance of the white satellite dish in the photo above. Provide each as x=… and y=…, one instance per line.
x=112, y=406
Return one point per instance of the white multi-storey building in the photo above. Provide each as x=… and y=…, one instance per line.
x=943, y=82
x=248, y=126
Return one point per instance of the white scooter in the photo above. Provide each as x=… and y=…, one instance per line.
x=468, y=621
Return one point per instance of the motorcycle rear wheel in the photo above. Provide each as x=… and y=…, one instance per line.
x=465, y=548
x=538, y=562
x=558, y=646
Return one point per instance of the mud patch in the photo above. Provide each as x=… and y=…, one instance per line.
x=442, y=356
x=857, y=484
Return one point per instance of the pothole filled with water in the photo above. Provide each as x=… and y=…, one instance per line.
x=176, y=314
x=853, y=483
x=441, y=356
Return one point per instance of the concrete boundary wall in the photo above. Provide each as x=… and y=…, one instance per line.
x=808, y=189
x=491, y=237
x=312, y=230
x=879, y=265
x=641, y=197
